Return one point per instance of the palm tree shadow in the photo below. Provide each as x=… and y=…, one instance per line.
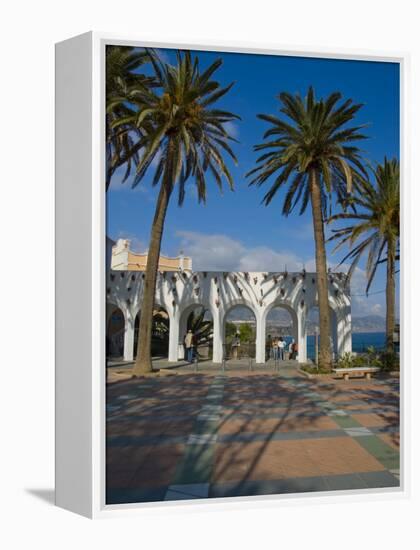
x=305, y=417
x=47, y=495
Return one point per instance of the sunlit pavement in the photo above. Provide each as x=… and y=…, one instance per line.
x=248, y=430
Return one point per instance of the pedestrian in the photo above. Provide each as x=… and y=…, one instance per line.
x=269, y=347
x=275, y=349
x=236, y=342
x=281, y=345
x=291, y=348
x=295, y=350
x=188, y=341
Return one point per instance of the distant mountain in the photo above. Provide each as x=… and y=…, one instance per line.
x=280, y=317
x=368, y=323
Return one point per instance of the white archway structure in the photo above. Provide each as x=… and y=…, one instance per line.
x=180, y=292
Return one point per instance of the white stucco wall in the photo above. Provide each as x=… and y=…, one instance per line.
x=180, y=292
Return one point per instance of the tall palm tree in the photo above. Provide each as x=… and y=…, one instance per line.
x=122, y=78
x=312, y=153
x=376, y=230
x=187, y=136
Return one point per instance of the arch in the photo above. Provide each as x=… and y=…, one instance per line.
x=310, y=338
x=231, y=304
x=115, y=329
x=292, y=335
x=160, y=331
x=198, y=317
x=246, y=333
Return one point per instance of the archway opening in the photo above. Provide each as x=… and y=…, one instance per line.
x=312, y=333
x=281, y=334
x=114, y=332
x=160, y=332
x=239, y=333
x=199, y=320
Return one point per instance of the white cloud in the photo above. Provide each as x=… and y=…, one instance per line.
x=263, y=258
x=212, y=252
x=219, y=252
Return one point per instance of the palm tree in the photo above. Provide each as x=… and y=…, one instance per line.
x=201, y=327
x=187, y=137
x=313, y=154
x=122, y=78
x=376, y=230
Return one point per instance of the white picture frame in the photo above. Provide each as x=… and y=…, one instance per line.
x=80, y=277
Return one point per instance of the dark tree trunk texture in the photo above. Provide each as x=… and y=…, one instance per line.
x=143, y=364
x=325, y=357
x=390, y=297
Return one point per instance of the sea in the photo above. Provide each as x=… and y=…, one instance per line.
x=360, y=342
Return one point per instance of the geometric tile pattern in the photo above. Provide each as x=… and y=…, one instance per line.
x=209, y=435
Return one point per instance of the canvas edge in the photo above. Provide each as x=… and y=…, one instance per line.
x=73, y=246
x=97, y=267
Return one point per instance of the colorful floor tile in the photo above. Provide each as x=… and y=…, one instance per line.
x=240, y=432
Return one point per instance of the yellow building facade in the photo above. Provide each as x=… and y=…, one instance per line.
x=123, y=259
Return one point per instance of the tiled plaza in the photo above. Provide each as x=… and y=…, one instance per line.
x=216, y=433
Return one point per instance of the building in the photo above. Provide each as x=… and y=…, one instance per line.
x=179, y=292
x=123, y=259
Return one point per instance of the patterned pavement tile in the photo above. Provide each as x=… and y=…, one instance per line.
x=393, y=440
x=187, y=491
x=373, y=419
x=272, y=425
x=268, y=487
x=133, y=495
x=195, y=466
x=358, y=431
x=200, y=436
x=142, y=467
x=386, y=455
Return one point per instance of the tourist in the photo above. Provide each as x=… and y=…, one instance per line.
x=236, y=342
x=275, y=349
x=269, y=347
x=281, y=345
x=188, y=341
x=294, y=350
x=291, y=348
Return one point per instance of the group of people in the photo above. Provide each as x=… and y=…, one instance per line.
x=276, y=348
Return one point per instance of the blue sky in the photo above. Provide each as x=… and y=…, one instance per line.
x=234, y=231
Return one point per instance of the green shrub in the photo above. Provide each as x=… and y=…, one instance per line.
x=346, y=361
x=389, y=361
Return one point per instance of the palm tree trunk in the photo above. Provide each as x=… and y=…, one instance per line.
x=325, y=359
x=143, y=362
x=390, y=297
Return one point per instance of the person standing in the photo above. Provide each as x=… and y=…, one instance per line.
x=188, y=341
x=295, y=350
x=291, y=348
x=281, y=345
x=269, y=347
x=275, y=349
x=236, y=342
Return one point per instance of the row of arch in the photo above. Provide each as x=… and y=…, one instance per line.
x=169, y=331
